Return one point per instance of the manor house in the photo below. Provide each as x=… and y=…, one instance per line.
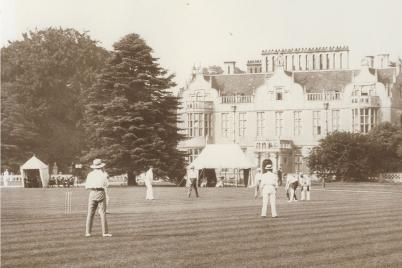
x=287, y=101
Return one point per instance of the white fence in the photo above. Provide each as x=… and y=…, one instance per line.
x=119, y=180
x=391, y=177
x=11, y=181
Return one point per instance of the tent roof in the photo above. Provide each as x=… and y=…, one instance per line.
x=222, y=156
x=34, y=163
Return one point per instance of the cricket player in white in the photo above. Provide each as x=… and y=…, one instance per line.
x=268, y=183
x=257, y=177
x=305, y=182
x=148, y=180
x=97, y=182
x=291, y=185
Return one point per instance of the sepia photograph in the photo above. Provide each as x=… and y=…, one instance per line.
x=201, y=133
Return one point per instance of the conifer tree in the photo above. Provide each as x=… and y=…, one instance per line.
x=130, y=117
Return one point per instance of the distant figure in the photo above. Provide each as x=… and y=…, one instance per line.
x=268, y=183
x=204, y=182
x=220, y=182
x=305, y=182
x=280, y=177
x=257, y=176
x=292, y=182
x=148, y=180
x=97, y=182
x=59, y=180
x=192, y=178
x=6, y=177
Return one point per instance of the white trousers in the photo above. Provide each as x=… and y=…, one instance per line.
x=291, y=194
x=305, y=193
x=271, y=197
x=150, y=192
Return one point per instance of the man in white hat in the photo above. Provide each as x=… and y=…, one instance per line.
x=97, y=182
x=268, y=183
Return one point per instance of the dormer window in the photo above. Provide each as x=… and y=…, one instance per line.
x=367, y=90
x=199, y=96
x=279, y=94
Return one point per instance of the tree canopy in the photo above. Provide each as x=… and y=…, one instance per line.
x=44, y=77
x=355, y=156
x=130, y=117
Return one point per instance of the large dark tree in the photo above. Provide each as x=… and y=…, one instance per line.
x=43, y=79
x=388, y=140
x=130, y=116
x=355, y=156
x=347, y=155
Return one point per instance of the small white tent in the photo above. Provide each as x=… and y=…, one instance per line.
x=35, y=164
x=222, y=156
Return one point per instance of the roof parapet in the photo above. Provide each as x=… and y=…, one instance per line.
x=306, y=50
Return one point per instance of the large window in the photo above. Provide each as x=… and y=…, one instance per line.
x=364, y=119
x=193, y=154
x=199, y=124
x=196, y=124
x=242, y=124
x=335, y=120
x=225, y=124
x=208, y=124
x=316, y=123
x=297, y=123
x=278, y=123
x=260, y=124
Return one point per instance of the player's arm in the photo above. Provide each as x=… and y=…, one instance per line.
x=257, y=188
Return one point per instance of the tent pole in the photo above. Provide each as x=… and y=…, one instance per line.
x=237, y=178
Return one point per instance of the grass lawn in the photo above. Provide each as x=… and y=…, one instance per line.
x=347, y=225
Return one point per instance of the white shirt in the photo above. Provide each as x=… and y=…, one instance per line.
x=192, y=174
x=97, y=178
x=268, y=181
x=291, y=178
x=306, y=180
x=149, y=176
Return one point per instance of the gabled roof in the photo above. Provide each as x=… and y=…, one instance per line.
x=312, y=81
x=237, y=84
x=222, y=156
x=34, y=163
x=386, y=76
x=325, y=80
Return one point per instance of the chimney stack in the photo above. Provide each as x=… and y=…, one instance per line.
x=229, y=67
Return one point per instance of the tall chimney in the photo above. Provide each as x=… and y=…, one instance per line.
x=229, y=67
x=370, y=61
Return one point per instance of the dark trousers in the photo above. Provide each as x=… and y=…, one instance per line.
x=193, y=184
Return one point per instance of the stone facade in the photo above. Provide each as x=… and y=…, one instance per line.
x=277, y=113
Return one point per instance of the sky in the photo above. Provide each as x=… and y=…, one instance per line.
x=184, y=33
